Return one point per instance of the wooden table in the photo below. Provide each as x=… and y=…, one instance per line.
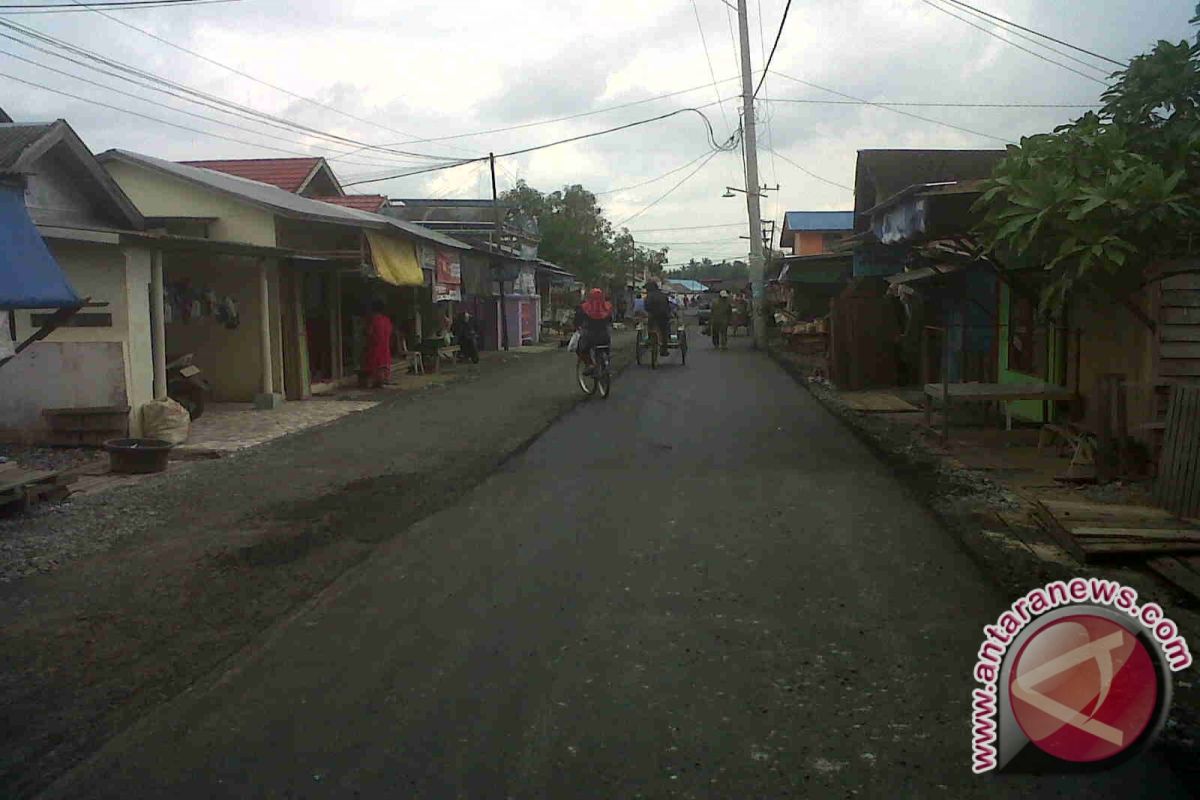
x=990, y=393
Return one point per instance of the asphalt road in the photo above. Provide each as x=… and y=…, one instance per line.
x=703, y=587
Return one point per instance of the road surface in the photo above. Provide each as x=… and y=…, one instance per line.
x=702, y=587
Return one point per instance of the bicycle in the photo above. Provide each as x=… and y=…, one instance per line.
x=601, y=377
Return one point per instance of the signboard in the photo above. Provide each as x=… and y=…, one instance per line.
x=448, y=268
x=443, y=292
x=525, y=284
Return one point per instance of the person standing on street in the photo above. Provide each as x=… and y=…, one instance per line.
x=718, y=321
x=377, y=360
x=466, y=333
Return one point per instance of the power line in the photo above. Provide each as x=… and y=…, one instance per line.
x=156, y=82
x=239, y=72
x=932, y=105
x=150, y=4
x=812, y=174
x=708, y=125
x=653, y=180
x=564, y=118
x=889, y=108
x=1012, y=24
x=778, y=35
x=157, y=119
x=116, y=3
x=712, y=72
x=1035, y=41
x=690, y=227
x=667, y=193
x=676, y=244
x=164, y=105
x=1011, y=43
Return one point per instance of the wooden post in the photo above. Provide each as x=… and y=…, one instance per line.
x=267, y=398
x=158, y=329
x=336, y=367
x=496, y=245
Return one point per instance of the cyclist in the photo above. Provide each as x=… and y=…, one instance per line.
x=592, y=319
x=658, y=309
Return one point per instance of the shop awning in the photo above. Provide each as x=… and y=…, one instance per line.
x=395, y=260
x=29, y=275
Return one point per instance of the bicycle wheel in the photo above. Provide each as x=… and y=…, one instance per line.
x=654, y=345
x=637, y=348
x=586, y=383
x=603, y=376
x=682, y=348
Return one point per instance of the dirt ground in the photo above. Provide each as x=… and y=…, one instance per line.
x=979, y=485
x=198, y=563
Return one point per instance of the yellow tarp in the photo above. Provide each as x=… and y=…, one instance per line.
x=395, y=260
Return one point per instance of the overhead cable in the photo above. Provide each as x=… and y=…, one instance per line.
x=653, y=180
x=667, y=193
x=778, y=34
x=71, y=9
x=707, y=57
x=154, y=82
x=1011, y=43
x=890, y=108
x=1012, y=24
x=241, y=73
x=812, y=174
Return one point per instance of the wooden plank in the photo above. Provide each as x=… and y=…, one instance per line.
x=1181, y=316
x=876, y=401
x=1074, y=509
x=1060, y=534
x=1177, y=572
x=1188, y=280
x=1179, y=333
x=1128, y=548
x=1181, y=298
x=26, y=478
x=1179, y=349
x=1190, y=504
x=1180, y=368
x=1163, y=534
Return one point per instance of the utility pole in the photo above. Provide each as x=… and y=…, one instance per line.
x=496, y=254
x=757, y=268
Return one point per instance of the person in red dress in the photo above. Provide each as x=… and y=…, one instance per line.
x=377, y=361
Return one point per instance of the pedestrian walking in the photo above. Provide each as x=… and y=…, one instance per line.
x=718, y=321
x=377, y=360
x=466, y=333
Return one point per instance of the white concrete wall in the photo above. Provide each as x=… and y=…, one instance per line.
x=85, y=366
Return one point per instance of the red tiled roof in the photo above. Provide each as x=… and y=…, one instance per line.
x=286, y=173
x=362, y=202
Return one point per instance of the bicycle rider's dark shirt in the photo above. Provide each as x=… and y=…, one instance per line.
x=595, y=331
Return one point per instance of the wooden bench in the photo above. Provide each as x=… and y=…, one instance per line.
x=1005, y=393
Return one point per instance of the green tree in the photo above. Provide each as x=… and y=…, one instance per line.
x=576, y=235
x=1100, y=199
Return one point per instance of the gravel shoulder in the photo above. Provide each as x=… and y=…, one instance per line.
x=159, y=583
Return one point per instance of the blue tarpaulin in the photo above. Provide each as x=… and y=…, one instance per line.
x=29, y=275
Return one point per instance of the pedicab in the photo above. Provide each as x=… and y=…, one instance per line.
x=647, y=347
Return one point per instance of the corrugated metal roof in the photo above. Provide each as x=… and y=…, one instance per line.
x=818, y=221
x=879, y=174
x=279, y=200
x=288, y=174
x=362, y=202
x=16, y=138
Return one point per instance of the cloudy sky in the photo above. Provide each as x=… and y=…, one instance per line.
x=381, y=73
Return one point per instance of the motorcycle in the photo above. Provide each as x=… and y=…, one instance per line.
x=186, y=385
